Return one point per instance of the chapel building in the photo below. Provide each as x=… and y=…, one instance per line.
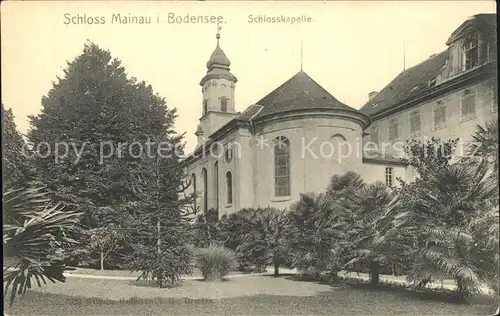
x=297, y=137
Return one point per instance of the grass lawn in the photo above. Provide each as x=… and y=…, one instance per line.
x=249, y=295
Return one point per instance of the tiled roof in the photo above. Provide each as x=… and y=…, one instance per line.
x=377, y=156
x=219, y=58
x=249, y=113
x=406, y=85
x=486, y=22
x=299, y=92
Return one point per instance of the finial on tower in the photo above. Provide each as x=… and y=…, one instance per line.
x=301, y=53
x=217, y=36
x=404, y=55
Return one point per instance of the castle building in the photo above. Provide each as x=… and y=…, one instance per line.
x=298, y=136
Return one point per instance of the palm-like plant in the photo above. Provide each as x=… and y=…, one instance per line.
x=371, y=235
x=267, y=237
x=233, y=232
x=34, y=233
x=438, y=214
x=485, y=143
x=345, y=184
x=316, y=234
x=485, y=230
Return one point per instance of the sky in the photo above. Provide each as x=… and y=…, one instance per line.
x=350, y=48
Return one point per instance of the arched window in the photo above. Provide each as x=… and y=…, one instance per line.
x=340, y=137
x=340, y=146
x=229, y=188
x=216, y=184
x=193, y=182
x=205, y=189
x=281, y=166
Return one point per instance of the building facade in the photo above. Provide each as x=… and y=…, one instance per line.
x=298, y=136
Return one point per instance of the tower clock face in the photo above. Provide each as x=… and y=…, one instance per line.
x=229, y=154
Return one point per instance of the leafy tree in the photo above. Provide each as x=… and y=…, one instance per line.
x=34, y=232
x=485, y=144
x=428, y=155
x=104, y=240
x=14, y=163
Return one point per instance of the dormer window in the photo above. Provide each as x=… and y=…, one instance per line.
x=414, y=89
x=470, y=53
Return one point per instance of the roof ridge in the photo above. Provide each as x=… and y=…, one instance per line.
x=402, y=85
x=425, y=60
x=279, y=87
x=324, y=90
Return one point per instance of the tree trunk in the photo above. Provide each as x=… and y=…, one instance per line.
x=422, y=284
x=334, y=275
x=374, y=273
x=276, y=269
x=102, y=260
x=159, y=277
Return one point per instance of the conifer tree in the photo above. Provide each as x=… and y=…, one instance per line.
x=96, y=139
x=81, y=133
x=14, y=162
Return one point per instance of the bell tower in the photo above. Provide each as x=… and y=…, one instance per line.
x=217, y=88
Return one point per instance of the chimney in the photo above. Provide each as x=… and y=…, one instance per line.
x=372, y=94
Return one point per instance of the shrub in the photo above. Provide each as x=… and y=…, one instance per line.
x=215, y=262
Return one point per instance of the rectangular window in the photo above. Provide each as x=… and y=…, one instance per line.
x=415, y=123
x=389, y=176
x=492, y=51
x=393, y=130
x=205, y=106
x=223, y=105
x=229, y=188
x=470, y=53
x=282, y=166
x=468, y=105
x=374, y=135
x=494, y=98
x=439, y=116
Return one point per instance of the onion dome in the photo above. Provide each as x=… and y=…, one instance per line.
x=218, y=57
x=218, y=66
